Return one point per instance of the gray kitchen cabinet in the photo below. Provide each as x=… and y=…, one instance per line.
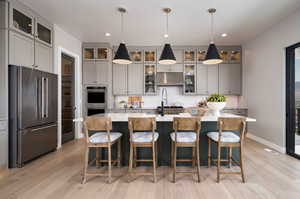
x=119, y=79
x=89, y=75
x=170, y=68
x=135, y=79
x=207, y=79
x=43, y=31
x=95, y=72
x=21, y=50
x=3, y=74
x=230, y=79
x=102, y=69
x=3, y=144
x=43, y=57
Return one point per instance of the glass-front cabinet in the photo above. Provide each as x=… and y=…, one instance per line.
x=224, y=54
x=136, y=56
x=235, y=56
x=189, y=79
x=22, y=21
x=201, y=53
x=150, y=77
x=101, y=53
x=89, y=53
x=150, y=56
x=189, y=56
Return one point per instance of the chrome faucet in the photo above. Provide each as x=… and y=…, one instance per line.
x=164, y=96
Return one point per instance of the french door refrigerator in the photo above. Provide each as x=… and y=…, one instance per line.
x=32, y=114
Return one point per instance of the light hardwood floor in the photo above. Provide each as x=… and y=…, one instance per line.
x=58, y=176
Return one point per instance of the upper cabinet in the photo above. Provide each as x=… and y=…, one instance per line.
x=95, y=53
x=30, y=38
x=136, y=56
x=135, y=79
x=230, y=54
x=230, y=79
x=150, y=79
x=207, y=79
x=190, y=79
x=190, y=56
x=120, y=79
x=150, y=56
x=21, y=19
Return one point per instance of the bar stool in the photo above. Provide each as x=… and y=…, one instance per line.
x=145, y=137
x=228, y=139
x=100, y=140
x=186, y=134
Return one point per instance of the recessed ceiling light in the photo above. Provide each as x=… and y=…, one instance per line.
x=166, y=35
x=107, y=34
x=224, y=35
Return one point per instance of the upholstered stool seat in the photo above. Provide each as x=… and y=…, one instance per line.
x=102, y=137
x=225, y=137
x=144, y=137
x=184, y=136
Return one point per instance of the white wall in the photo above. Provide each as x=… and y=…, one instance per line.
x=175, y=97
x=66, y=43
x=264, y=75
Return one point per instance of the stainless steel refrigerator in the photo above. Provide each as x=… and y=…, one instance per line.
x=32, y=114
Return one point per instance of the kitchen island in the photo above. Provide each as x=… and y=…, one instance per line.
x=165, y=128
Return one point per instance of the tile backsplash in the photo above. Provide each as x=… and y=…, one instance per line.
x=175, y=97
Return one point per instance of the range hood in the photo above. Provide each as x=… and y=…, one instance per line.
x=169, y=79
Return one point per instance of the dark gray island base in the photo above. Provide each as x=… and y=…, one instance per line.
x=164, y=129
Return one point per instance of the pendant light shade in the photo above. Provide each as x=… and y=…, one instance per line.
x=122, y=55
x=212, y=55
x=167, y=55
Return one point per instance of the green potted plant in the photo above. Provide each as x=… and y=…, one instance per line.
x=216, y=102
x=123, y=104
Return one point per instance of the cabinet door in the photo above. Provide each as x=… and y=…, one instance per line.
x=135, y=79
x=3, y=143
x=202, y=79
x=230, y=79
x=89, y=73
x=119, y=79
x=43, y=31
x=21, y=50
x=102, y=72
x=178, y=53
x=43, y=57
x=189, y=79
x=212, y=79
x=236, y=82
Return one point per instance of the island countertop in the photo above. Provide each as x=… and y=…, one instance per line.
x=123, y=117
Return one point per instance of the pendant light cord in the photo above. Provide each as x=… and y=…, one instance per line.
x=212, y=28
x=167, y=24
x=122, y=26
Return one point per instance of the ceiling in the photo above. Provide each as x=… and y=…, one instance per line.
x=89, y=20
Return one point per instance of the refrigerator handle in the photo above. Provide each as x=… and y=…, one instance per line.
x=45, y=95
x=38, y=96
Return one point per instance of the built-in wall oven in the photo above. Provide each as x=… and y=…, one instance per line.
x=96, y=100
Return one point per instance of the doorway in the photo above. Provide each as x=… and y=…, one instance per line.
x=67, y=97
x=293, y=100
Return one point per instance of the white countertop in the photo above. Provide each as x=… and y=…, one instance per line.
x=123, y=117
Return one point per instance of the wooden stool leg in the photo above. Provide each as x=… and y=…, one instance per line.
x=229, y=156
x=154, y=162
x=219, y=163
x=156, y=154
x=130, y=160
x=98, y=157
x=242, y=163
x=198, y=161
x=109, y=163
x=119, y=153
x=134, y=156
x=86, y=163
x=172, y=154
x=209, y=153
x=174, y=162
x=194, y=157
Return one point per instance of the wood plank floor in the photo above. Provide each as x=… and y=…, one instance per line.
x=58, y=176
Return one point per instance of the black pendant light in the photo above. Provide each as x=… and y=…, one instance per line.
x=167, y=56
x=212, y=55
x=122, y=55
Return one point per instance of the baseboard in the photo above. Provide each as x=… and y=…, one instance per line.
x=266, y=142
